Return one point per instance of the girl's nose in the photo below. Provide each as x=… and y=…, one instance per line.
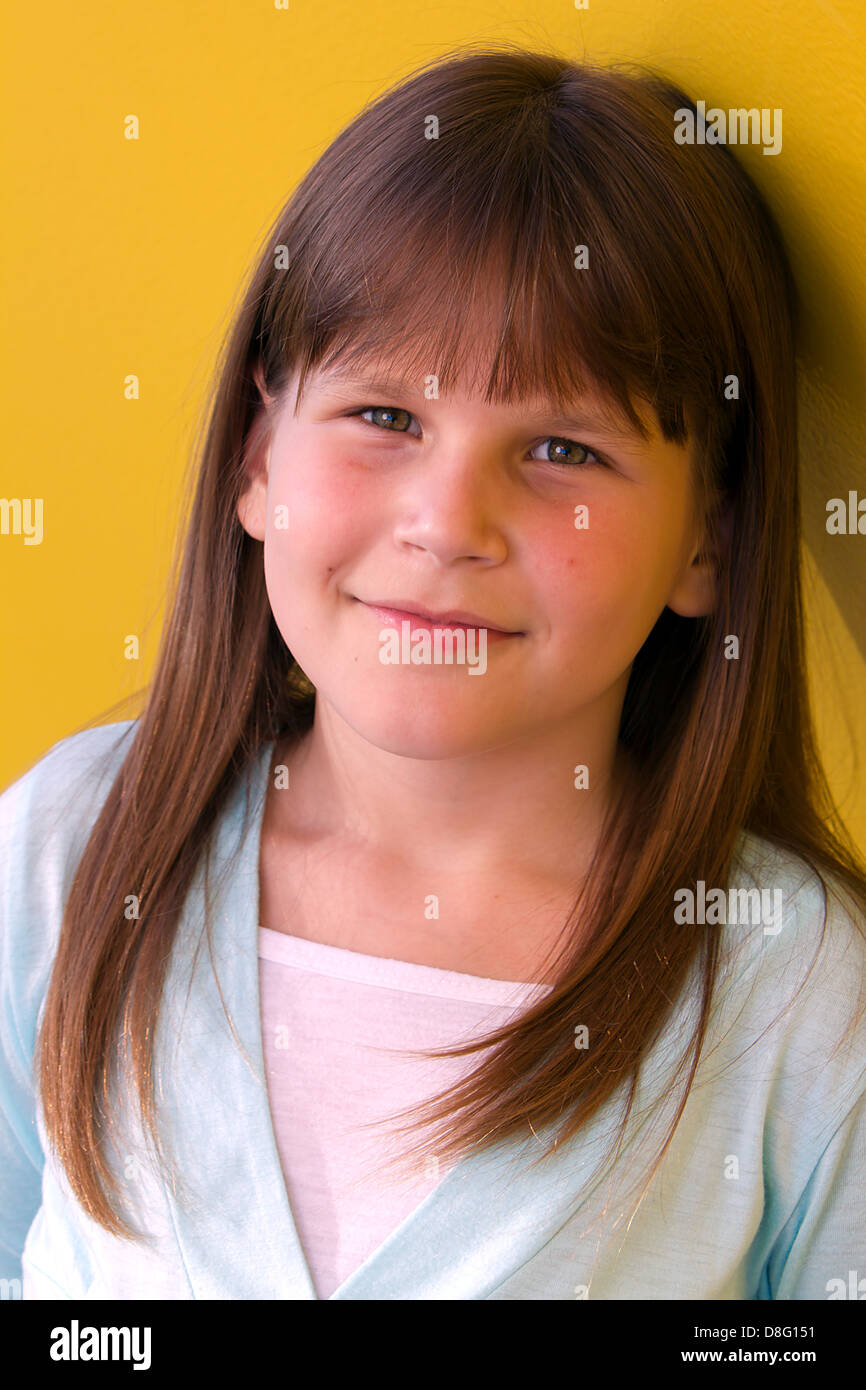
x=456, y=509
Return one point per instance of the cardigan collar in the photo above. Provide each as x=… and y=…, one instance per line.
x=487, y=1217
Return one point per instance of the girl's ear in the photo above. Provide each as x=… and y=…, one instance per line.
x=695, y=592
x=252, y=503
x=259, y=376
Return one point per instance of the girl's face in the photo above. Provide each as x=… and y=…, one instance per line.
x=571, y=534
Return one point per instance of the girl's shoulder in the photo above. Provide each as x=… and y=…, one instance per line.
x=790, y=906
x=793, y=983
x=60, y=795
x=46, y=816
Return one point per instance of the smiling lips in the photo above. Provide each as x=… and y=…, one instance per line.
x=393, y=613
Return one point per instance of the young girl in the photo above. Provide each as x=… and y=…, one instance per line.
x=462, y=917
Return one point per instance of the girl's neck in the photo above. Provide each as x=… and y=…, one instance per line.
x=510, y=812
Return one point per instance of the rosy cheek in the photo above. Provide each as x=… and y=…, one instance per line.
x=329, y=483
x=319, y=530
x=593, y=568
x=561, y=553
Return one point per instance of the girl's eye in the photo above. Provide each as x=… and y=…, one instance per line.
x=561, y=455
x=389, y=417
x=393, y=417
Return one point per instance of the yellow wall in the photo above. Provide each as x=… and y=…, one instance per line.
x=125, y=257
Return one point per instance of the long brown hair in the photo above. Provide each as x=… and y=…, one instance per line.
x=486, y=169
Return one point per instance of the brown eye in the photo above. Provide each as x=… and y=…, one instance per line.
x=389, y=417
x=568, y=453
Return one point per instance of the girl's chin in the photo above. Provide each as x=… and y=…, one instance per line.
x=426, y=733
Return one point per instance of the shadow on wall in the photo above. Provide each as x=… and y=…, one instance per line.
x=832, y=380
x=833, y=464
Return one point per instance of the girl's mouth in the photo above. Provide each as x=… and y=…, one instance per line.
x=395, y=617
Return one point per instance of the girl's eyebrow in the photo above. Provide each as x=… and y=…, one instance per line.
x=613, y=426
x=598, y=424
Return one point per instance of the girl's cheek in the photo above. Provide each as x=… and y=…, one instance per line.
x=314, y=508
x=570, y=560
x=607, y=569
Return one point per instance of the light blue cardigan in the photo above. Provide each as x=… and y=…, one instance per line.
x=760, y=1196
